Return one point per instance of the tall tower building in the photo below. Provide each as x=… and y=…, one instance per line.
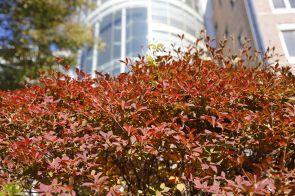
x=267, y=23
x=126, y=27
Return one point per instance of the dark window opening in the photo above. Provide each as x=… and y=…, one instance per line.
x=226, y=32
x=232, y=3
x=279, y=4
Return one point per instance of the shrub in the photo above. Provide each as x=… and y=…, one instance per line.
x=175, y=124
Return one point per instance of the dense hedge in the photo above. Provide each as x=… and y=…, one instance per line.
x=175, y=124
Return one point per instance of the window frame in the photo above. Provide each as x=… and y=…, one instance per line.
x=286, y=10
x=286, y=27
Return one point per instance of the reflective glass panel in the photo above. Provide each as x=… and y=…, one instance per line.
x=117, y=51
x=289, y=37
x=279, y=3
x=86, y=60
x=136, y=14
x=110, y=34
x=292, y=3
x=136, y=31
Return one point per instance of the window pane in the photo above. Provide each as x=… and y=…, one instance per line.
x=117, y=51
x=87, y=60
x=279, y=3
x=232, y=3
x=117, y=35
x=129, y=48
x=136, y=14
x=116, y=70
x=136, y=22
x=139, y=29
x=106, y=23
x=105, y=55
x=128, y=31
x=110, y=34
x=292, y=3
x=117, y=19
x=136, y=31
x=289, y=37
x=138, y=45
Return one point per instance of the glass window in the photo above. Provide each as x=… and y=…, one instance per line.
x=104, y=56
x=279, y=3
x=183, y=20
x=113, y=67
x=117, y=19
x=117, y=51
x=136, y=23
x=116, y=70
x=139, y=29
x=160, y=12
x=117, y=35
x=240, y=39
x=106, y=23
x=289, y=37
x=136, y=31
x=232, y=3
x=226, y=32
x=292, y=3
x=137, y=45
x=86, y=60
x=129, y=48
x=136, y=14
x=129, y=31
x=159, y=8
x=110, y=33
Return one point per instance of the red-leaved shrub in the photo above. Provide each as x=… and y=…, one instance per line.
x=176, y=124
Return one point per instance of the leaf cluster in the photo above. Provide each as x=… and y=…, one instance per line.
x=32, y=30
x=185, y=126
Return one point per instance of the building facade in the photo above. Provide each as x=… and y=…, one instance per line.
x=126, y=27
x=267, y=23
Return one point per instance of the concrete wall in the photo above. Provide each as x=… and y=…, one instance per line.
x=231, y=17
x=270, y=22
x=234, y=15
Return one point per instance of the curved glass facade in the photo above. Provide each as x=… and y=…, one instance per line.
x=127, y=27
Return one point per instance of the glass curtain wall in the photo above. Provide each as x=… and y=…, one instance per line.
x=176, y=19
x=136, y=28
x=110, y=33
x=126, y=27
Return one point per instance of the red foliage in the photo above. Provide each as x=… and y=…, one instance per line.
x=173, y=124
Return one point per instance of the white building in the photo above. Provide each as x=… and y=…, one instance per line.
x=128, y=26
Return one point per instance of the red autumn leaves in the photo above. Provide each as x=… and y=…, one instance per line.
x=172, y=126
